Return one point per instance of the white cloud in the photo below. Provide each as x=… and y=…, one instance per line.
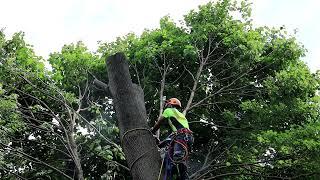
x=300, y=15
x=82, y=130
x=55, y=121
x=31, y=137
x=51, y=24
x=313, y=60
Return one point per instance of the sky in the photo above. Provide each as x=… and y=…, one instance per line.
x=48, y=25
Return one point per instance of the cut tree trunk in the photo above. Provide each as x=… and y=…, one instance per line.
x=138, y=143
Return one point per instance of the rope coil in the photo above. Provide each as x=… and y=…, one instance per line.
x=184, y=146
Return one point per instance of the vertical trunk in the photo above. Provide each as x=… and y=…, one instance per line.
x=193, y=91
x=138, y=143
x=74, y=149
x=163, y=80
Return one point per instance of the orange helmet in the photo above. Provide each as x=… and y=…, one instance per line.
x=174, y=102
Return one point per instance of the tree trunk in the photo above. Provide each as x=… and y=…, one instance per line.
x=74, y=149
x=76, y=157
x=163, y=80
x=138, y=143
x=193, y=91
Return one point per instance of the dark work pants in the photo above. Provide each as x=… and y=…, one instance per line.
x=178, y=153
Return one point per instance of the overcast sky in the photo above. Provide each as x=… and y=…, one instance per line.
x=49, y=25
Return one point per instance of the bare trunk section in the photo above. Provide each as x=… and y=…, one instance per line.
x=138, y=143
x=203, y=62
x=163, y=81
x=74, y=149
x=193, y=91
x=76, y=157
x=161, y=94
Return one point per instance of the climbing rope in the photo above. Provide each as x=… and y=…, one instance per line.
x=171, y=144
x=184, y=146
x=132, y=130
x=159, y=175
x=168, y=156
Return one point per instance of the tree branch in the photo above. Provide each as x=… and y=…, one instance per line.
x=37, y=160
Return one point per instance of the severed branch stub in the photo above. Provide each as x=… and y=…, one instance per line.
x=102, y=85
x=138, y=143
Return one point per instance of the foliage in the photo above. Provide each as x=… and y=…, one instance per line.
x=252, y=103
x=71, y=66
x=251, y=81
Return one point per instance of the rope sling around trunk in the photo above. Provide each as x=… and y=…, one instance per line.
x=143, y=154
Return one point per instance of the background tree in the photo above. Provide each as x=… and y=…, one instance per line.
x=251, y=101
x=42, y=121
x=221, y=67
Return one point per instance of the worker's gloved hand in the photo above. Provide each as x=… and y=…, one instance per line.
x=156, y=138
x=152, y=131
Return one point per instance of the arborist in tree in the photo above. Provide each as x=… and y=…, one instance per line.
x=180, y=140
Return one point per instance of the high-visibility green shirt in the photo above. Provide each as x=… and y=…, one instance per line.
x=174, y=113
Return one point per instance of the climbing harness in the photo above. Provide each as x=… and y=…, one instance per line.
x=168, y=147
x=183, y=145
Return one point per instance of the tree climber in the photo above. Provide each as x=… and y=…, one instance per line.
x=181, y=139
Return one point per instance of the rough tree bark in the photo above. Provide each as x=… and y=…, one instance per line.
x=138, y=143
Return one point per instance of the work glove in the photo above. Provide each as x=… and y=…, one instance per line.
x=152, y=131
